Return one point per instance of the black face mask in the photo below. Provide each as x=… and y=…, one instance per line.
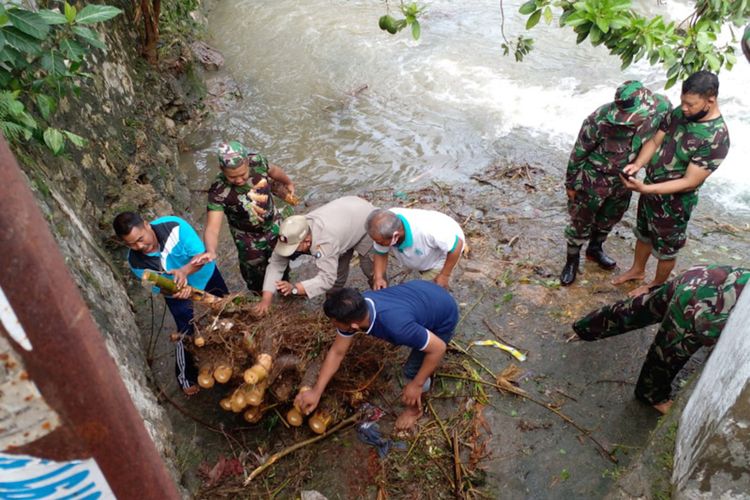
x=697, y=116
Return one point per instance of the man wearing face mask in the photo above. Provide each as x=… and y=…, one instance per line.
x=691, y=143
x=330, y=234
x=609, y=139
x=426, y=241
x=242, y=191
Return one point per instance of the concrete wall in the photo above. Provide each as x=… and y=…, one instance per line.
x=712, y=455
x=130, y=162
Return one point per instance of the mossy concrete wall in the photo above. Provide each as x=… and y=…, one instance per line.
x=129, y=163
x=712, y=454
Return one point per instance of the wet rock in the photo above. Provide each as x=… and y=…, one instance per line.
x=210, y=58
x=223, y=86
x=312, y=495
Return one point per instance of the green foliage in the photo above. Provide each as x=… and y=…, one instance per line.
x=42, y=54
x=176, y=22
x=520, y=47
x=682, y=48
x=411, y=13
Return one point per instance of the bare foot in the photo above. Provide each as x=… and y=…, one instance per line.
x=636, y=292
x=664, y=407
x=408, y=418
x=629, y=275
x=191, y=391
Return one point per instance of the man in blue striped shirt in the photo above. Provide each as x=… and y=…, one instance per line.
x=419, y=314
x=167, y=245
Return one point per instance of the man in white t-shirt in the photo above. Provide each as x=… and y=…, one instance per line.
x=422, y=240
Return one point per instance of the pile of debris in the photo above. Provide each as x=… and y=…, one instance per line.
x=263, y=362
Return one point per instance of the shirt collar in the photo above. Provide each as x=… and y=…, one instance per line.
x=408, y=238
x=373, y=313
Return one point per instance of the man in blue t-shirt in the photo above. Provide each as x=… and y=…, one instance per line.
x=166, y=245
x=417, y=314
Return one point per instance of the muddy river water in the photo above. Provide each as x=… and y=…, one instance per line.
x=346, y=109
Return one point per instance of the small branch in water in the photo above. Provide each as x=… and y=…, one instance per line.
x=557, y=412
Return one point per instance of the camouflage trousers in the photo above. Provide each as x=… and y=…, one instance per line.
x=662, y=222
x=253, y=251
x=598, y=205
x=692, y=310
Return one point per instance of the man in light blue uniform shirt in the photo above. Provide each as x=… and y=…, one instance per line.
x=166, y=245
x=417, y=314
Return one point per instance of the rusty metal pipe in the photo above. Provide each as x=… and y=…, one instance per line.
x=69, y=362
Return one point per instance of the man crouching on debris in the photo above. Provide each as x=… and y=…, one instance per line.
x=417, y=314
x=167, y=245
x=692, y=309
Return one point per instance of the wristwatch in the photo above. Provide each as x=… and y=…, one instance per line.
x=294, y=290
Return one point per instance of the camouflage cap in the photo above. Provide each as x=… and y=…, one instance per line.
x=231, y=154
x=633, y=104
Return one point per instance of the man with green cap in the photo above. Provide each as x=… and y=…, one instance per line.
x=609, y=138
x=242, y=191
x=691, y=143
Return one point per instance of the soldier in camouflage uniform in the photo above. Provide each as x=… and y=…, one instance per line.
x=608, y=140
x=692, y=309
x=690, y=144
x=242, y=191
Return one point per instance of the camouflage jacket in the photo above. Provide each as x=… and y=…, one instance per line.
x=705, y=296
x=249, y=208
x=603, y=148
x=704, y=143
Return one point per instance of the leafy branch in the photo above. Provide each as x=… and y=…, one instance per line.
x=42, y=59
x=682, y=48
x=411, y=12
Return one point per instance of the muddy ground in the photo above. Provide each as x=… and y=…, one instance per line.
x=513, y=217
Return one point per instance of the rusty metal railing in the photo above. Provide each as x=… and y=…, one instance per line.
x=69, y=362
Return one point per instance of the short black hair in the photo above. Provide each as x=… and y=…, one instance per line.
x=346, y=305
x=703, y=83
x=125, y=222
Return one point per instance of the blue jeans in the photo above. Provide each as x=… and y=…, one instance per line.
x=182, y=312
x=414, y=361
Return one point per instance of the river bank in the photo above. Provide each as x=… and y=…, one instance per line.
x=513, y=218
x=428, y=132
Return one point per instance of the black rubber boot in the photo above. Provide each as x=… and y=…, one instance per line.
x=570, y=270
x=596, y=253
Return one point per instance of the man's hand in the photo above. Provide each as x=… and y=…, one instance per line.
x=262, y=307
x=630, y=169
x=379, y=283
x=284, y=288
x=179, y=276
x=571, y=194
x=307, y=401
x=290, y=188
x=180, y=279
x=412, y=395
x=203, y=258
x=633, y=184
x=442, y=280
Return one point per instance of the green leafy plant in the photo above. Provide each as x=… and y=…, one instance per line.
x=411, y=13
x=42, y=59
x=682, y=48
